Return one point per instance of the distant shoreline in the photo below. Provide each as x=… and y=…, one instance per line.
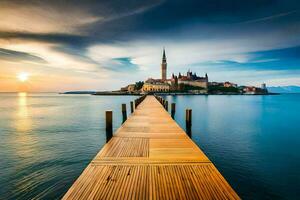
x=116, y=93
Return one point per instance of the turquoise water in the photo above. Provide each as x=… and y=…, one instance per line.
x=254, y=141
x=46, y=140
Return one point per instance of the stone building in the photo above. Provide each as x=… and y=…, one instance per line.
x=156, y=87
x=173, y=84
x=190, y=79
x=229, y=84
x=131, y=88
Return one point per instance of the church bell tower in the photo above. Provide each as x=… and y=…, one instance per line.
x=164, y=66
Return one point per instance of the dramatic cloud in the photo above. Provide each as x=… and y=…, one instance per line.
x=62, y=16
x=118, y=42
x=19, y=56
x=40, y=18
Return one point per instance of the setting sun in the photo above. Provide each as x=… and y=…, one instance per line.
x=22, y=77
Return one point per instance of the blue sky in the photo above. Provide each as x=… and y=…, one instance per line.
x=102, y=45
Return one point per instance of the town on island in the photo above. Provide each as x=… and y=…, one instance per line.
x=186, y=84
x=189, y=83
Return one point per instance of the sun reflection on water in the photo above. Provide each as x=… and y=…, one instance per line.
x=23, y=121
x=24, y=140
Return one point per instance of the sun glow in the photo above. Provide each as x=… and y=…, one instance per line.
x=23, y=77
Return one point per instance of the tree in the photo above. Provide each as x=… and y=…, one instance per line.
x=216, y=89
x=139, y=85
x=184, y=87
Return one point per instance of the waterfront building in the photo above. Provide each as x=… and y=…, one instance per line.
x=131, y=88
x=215, y=84
x=249, y=90
x=190, y=79
x=229, y=84
x=189, y=83
x=174, y=83
x=155, y=87
x=158, y=85
x=255, y=90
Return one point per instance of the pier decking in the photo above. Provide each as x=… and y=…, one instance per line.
x=150, y=157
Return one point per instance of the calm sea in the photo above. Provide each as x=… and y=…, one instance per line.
x=46, y=140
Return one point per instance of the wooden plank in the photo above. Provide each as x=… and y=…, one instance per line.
x=150, y=157
x=126, y=147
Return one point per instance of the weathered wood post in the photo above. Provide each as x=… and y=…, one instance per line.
x=109, y=128
x=124, y=112
x=188, y=122
x=173, y=109
x=135, y=104
x=166, y=105
x=131, y=106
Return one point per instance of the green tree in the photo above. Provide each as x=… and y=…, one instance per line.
x=139, y=85
x=184, y=88
x=214, y=89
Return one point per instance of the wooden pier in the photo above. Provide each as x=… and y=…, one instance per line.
x=150, y=157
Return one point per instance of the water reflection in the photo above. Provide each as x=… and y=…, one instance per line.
x=23, y=120
x=23, y=140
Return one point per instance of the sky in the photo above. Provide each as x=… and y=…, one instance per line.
x=104, y=45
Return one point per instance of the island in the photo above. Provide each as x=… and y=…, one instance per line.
x=188, y=84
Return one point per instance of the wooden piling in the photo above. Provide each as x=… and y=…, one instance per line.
x=173, y=110
x=188, y=122
x=109, y=127
x=124, y=112
x=139, y=100
x=166, y=105
x=131, y=106
x=135, y=104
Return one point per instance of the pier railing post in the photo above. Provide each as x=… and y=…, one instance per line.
x=124, y=112
x=131, y=106
x=173, y=109
x=139, y=100
x=135, y=103
x=188, y=122
x=166, y=105
x=109, y=129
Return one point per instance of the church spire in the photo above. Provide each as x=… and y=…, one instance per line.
x=164, y=66
x=164, y=59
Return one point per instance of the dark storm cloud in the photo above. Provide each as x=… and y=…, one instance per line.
x=127, y=20
x=10, y=55
x=173, y=16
